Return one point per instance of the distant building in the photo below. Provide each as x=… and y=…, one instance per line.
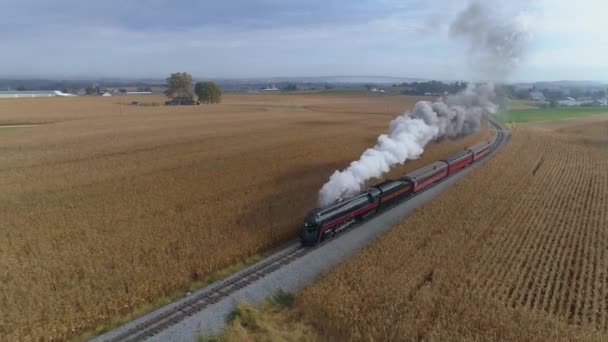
x=271, y=88
x=583, y=101
x=138, y=93
x=106, y=94
x=537, y=96
x=33, y=93
x=569, y=102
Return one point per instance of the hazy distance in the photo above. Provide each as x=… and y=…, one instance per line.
x=266, y=38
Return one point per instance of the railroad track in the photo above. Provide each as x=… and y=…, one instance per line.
x=201, y=300
x=149, y=327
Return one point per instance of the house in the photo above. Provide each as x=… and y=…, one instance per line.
x=569, y=102
x=537, y=96
x=107, y=93
x=271, y=88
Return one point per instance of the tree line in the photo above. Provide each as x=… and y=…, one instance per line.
x=431, y=87
x=554, y=93
x=179, y=85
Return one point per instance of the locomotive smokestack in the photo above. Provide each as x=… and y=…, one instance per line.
x=495, y=47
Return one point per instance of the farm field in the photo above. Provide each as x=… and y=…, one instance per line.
x=107, y=208
x=514, y=251
x=521, y=113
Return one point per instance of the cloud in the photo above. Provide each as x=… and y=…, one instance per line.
x=319, y=46
x=259, y=38
x=164, y=15
x=569, y=41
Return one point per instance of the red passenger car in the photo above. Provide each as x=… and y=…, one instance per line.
x=427, y=175
x=481, y=149
x=459, y=161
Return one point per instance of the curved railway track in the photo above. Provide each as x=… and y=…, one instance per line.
x=152, y=324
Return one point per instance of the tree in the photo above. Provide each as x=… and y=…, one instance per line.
x=290, y=87
x=21, y=88
x=122, y=91
x=179, y=85
x=599, y=94
x=208, y=92
x=90, y=90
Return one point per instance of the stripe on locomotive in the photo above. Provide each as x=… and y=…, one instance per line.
x=350, y=215
x=391, y=196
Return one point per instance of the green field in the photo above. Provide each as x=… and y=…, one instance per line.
x=15, y=127
x=546, y=114
x=4, y=129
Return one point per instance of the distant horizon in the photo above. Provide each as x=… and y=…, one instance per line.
x=283, y=78
x=237, y=39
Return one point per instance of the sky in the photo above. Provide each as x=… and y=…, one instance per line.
x=289, y=38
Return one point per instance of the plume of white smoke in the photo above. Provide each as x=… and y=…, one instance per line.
x=405, y=140
x=452, y=117
x=496, y=47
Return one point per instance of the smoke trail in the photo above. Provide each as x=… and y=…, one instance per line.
x=452, y=117
x=496, y=45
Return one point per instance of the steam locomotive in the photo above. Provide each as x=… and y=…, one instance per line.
x=323, y=223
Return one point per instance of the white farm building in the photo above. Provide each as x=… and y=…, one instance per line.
x=36, y=93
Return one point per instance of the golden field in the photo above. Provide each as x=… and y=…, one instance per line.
x=515, y=251
x=106, y=207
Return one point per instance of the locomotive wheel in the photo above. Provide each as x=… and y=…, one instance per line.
x=328, y=234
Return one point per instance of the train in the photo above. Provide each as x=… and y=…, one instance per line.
x=323, y=223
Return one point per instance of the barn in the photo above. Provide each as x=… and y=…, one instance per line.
x=36, y=93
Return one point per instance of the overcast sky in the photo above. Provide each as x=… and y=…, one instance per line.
x=266, y=38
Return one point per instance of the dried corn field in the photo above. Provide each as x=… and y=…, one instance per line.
x=515, y=251
x=105, y=207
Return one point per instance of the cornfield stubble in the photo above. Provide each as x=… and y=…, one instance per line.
x=108, y=207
